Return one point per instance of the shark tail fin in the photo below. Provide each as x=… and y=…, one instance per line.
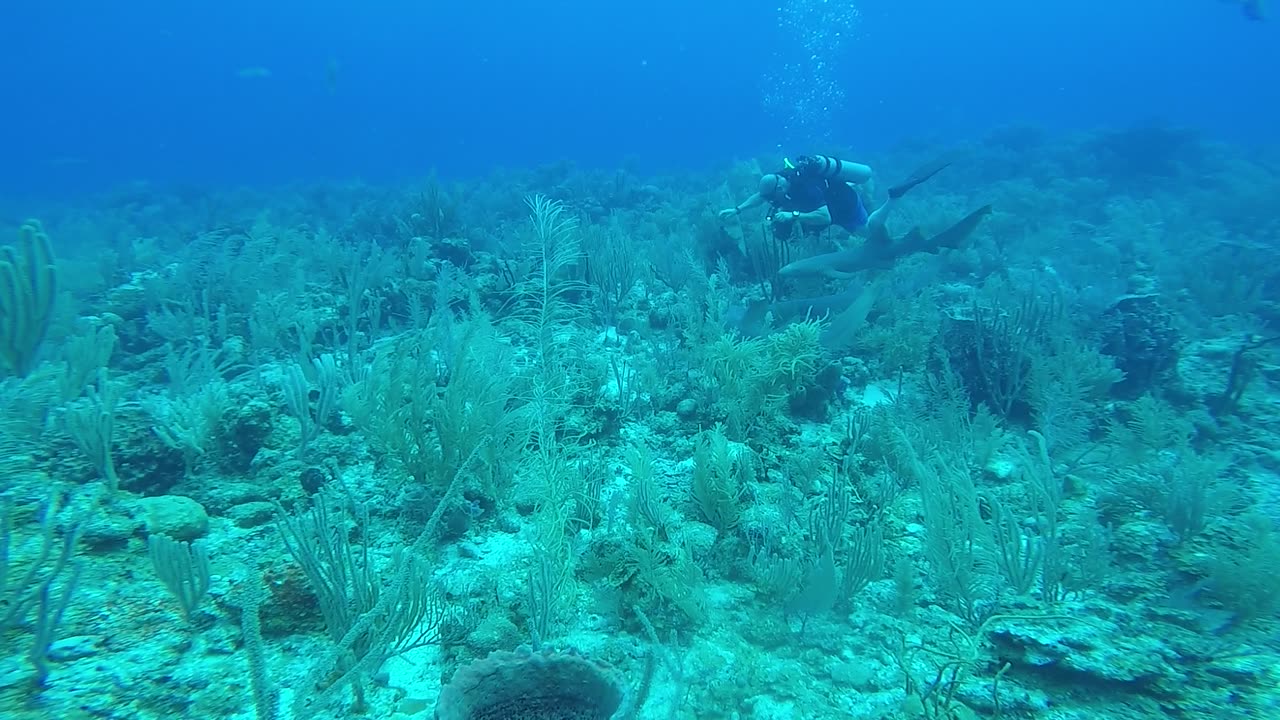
x=755, y=321
x=957, y=235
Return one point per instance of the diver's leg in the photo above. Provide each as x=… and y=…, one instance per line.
x=878, y=217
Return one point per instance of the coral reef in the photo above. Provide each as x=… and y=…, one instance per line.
x=558, y=444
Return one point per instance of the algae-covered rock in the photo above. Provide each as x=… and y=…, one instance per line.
x=181, y=518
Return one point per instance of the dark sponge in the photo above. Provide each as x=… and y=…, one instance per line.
x=528, y=685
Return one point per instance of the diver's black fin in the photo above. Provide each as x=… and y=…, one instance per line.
x=920, y=175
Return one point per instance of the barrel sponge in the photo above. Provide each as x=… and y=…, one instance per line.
x=531, y=685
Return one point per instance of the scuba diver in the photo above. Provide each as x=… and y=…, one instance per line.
x=817, y=192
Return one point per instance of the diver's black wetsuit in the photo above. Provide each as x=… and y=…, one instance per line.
x=806, y=193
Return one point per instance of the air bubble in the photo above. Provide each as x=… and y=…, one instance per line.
x=804, y=92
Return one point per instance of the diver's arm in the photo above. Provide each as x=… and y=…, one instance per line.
x=755, y=200
x=818, y=218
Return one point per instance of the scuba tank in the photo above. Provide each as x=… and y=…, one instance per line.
x=828, y=168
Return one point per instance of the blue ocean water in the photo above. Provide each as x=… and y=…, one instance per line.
x=252, y=92
x=564, y=360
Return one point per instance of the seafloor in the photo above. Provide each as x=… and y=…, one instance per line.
x=565, y=444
